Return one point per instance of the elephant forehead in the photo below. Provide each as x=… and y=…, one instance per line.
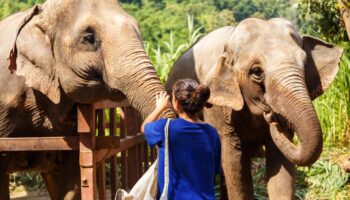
x=270, y=51
x=254, y=30
x=76, y=4
x=68, y=12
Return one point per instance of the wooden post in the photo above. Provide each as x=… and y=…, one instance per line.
x=140, y=154
x=113, y=159
x=132, y=153
x=101, y=169
x=124, y=169
x=86, y=130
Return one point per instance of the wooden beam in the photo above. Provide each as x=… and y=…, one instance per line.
x=109, y=104
x=107, y=142
x=54, y=143
x=39, y=143
x=125, y=144
x=131, y=141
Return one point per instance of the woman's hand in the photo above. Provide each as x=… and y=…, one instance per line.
x=162, y=101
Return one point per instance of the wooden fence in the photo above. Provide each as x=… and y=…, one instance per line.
x=108, y=132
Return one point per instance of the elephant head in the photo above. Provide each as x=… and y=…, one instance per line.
x=268, y=67
x=86, y=50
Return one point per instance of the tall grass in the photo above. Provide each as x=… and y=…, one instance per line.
x=323, y=180
x=165, y=54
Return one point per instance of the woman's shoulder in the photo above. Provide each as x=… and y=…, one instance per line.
x=158, y=124
x=207, y=126
x=212, y=129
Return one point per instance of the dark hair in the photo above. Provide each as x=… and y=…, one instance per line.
x=191, y=96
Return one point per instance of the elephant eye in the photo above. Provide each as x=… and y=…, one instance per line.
x=256, y=73
x=88, y=40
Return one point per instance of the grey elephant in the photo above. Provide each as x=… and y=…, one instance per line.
x=58, y=54
x=263, y=77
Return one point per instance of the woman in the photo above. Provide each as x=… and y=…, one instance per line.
x=194, y=146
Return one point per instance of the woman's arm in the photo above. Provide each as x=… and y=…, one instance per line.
x=162, y=103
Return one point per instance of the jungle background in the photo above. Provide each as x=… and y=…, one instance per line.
x=169, y=27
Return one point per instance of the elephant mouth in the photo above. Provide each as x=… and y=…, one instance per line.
x=261, y=103
x=282, y=122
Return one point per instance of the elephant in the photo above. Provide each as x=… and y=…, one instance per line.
x=54, y=56
x=263, y=77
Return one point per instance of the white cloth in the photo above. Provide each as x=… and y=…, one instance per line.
x=146, y=187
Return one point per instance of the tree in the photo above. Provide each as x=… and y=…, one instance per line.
x=344, y=8
x=158, y=18
x=329, y=19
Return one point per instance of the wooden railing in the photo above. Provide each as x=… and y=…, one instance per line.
x=108, y=132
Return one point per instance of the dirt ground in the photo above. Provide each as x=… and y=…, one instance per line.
x=21, y=193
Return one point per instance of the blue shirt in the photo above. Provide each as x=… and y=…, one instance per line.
x=194, y=158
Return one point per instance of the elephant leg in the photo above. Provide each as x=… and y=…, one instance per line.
x=280, y=174
x=52, y=180
x=63, y=182
x=236, y=165
x=223, y=188
x=4, y=180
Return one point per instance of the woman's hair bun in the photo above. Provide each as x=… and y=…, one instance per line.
x=191, y=95
x=201, y=94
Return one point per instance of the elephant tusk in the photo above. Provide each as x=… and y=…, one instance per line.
x=268, y=116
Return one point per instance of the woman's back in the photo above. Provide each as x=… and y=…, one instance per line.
x=194, y=158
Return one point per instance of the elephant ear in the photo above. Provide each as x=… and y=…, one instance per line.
x=322, y=65
x=13, y=53
x=224, y=87
x=31, y=56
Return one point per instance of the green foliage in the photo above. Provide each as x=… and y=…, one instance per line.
x=160, y=20
x=322, y=17
x=164, y=58
x=29, y=179
x=323, y=180
x=326, y=180
x=262, y=9
x=8, y=7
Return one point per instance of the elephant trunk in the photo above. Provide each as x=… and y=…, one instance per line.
x=290, y=99
x=132, y=73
